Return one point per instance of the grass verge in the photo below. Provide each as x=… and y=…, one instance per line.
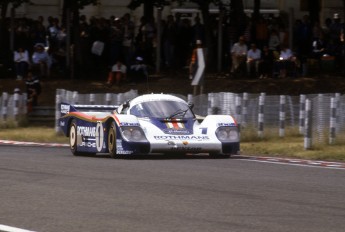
x=291, y=146
x=32, y=134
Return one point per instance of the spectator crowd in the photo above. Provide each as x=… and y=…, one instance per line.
x=262, y=49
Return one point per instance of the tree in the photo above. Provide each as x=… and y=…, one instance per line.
x=15, y=4
x=344, y=7
x=236, y=7
x=71, y=17
x=203, y=5
x=4, y=42
x=314, y=10
x=148, y=6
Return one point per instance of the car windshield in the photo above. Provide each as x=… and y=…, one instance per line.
x=162, y=109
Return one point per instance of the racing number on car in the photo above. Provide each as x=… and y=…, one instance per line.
x=99, y=136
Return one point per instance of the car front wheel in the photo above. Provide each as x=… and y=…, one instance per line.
x=112, y=140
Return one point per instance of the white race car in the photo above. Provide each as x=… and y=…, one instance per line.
x=148, y=124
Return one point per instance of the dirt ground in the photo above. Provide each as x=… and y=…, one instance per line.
x=180, y=84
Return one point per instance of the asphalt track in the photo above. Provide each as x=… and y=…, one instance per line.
x=46, y=189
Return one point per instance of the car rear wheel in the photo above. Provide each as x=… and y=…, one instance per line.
x=73, y=141
x=112, y=140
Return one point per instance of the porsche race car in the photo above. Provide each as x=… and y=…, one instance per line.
x=147, y=124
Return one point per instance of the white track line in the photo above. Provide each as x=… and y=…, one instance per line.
x=302, y=163
x=4, y=228
x=11, y=142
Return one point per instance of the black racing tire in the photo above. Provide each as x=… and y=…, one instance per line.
x=73, y=141
x=112, y=141
x=219, y=156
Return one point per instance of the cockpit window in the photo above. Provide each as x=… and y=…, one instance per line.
x=161, y=109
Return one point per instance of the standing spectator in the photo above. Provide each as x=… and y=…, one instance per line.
x=253, y=60
x=145, y=40
x=169, y=40
x=22, y=34
x=183, y=42
x=274, y=41
x=41, y=59
x=261, y=32
x=326, y=28
x=304, y=42
x=127, y=44
x=194, y=59
x=33, y=88
x=38, y=32
x=247, y=34
x=99, y=34
x=53, y=31
x=21, y=61
x=266, y=65
x=283, y=35
x=116, y=39
x=232, y=32
x=59, y=56
x=336, y=30
x=238, y=54
x=198, y=30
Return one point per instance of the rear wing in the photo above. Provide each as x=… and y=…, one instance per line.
x=66, y=108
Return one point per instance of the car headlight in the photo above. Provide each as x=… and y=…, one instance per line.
x=133, y=134
x=227, y=134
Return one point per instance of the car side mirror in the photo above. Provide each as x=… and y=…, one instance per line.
x=191, y=105
x=126, y=104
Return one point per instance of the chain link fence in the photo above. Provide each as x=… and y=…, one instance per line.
x=277, y=115
x=12, y=108
x=320, y=118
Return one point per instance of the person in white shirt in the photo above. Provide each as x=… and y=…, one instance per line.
x=286, y=61
x=41, y=58
x=138, y=71
x=22, y=61
x=238, y=54
x=118, y=72
x=253, y=60
x=274, y=41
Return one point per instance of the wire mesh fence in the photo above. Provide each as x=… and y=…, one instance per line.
x=320, y=118
x=275, y=115
x=12, y=108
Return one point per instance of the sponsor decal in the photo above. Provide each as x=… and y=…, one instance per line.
x=186, y=149
x=175, y=125
x=181, y=137
x=88, y=144
x=226, y=124
x=120, y=150
x=129, y=124
x=124, y=152
x=203, y=131
x=65, y=109
x=86, y=131
x=176, y=132
x=99, y=136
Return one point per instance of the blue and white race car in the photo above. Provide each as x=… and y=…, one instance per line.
x=147, y=124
